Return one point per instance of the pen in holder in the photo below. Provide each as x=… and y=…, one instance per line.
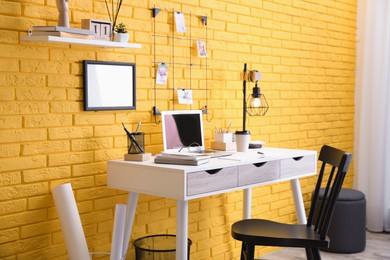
x=135, y=143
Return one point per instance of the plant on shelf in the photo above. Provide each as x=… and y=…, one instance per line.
x=120, y=33
x=120, y=28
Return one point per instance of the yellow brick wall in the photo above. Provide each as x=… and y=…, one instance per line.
x=305, y=49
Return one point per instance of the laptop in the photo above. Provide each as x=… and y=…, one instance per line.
x=183, y=132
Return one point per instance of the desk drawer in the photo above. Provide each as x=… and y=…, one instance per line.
x=211, y=180
x=258, y=172
x=297, y=165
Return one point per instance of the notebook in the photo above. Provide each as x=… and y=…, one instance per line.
x=183, y=132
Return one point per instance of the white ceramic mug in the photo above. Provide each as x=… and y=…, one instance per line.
x=242, y=141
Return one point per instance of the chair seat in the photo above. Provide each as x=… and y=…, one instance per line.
x=266, y=232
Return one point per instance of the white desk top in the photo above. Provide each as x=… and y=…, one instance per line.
x=171, y=181
x=238, y=158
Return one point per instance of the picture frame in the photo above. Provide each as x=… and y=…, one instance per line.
x=109, y=85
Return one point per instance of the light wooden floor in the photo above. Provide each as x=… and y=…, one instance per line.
x=377, y=247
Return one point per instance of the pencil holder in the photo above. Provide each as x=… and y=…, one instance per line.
x=223, y=142
x=224, y=137
x=136, y=143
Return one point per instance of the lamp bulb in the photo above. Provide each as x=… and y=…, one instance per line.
x=255, y=102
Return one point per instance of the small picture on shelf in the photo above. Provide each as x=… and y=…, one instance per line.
x=184, y=96
x=180, y=22
x=162, y=73
x=201, y=48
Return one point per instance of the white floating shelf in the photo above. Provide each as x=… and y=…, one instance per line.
x=100, y=43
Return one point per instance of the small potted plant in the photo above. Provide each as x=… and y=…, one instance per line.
x=120, y=33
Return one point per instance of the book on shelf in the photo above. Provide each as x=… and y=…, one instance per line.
x=62, y=34
x=61, y=29
x=168, y=160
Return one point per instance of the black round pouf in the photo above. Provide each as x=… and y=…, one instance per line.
x=347, y=231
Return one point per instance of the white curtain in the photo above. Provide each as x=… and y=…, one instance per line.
x=372, y=114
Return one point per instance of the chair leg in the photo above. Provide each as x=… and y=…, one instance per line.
x=247, y=251
x=316, y=253
x=309, y=254
x=313, y=253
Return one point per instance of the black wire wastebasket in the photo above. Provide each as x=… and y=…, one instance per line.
x=157, y=247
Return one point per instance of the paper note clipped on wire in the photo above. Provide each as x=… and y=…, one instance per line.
x=180, y=22
x=162, y=73
x=184, y=96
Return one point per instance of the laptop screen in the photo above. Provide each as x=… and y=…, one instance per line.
x=182, y=129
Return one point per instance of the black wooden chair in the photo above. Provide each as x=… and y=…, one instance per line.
x=311, y=236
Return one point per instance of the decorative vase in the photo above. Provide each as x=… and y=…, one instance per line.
x=121, y=37
x=63, y=16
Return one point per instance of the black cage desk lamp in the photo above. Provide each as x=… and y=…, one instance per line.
x=255, y=104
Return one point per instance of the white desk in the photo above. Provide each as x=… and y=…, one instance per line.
x=219, y=175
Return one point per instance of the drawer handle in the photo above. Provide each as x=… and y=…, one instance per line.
x=298, y=158
x=213, y=171
x=259, y=164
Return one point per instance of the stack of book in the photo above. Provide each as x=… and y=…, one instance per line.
x=60, y=31
x=181, y=158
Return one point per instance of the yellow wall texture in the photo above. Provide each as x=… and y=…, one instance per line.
x=305, y=49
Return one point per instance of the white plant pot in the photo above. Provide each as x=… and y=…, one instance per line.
x=121, y=37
